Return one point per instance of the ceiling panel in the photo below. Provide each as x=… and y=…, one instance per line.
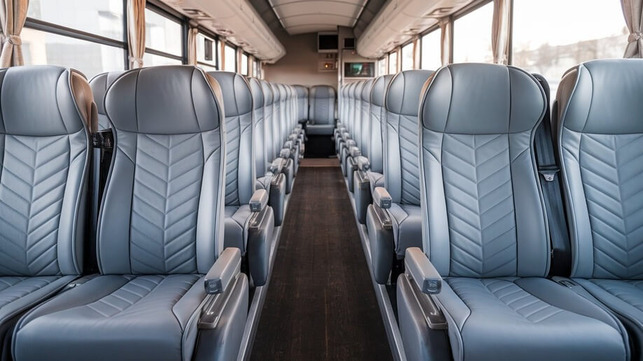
x=305, y=16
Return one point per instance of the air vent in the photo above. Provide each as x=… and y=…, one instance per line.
x=349, y=43
x=439, y=12
x=196, y=14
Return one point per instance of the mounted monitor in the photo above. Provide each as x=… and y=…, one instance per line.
x=327, y=43
x=359, y=69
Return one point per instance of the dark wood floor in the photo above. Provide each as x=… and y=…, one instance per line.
x=320, y=303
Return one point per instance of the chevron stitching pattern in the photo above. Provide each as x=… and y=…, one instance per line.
x=504, y=294
x=409, y=159
x=479, y=195
x=232, y=133
x=14, y=288
x=612, y=174
x=167, y=184
x=135, y=295
x=629, y=291
x=31, y=194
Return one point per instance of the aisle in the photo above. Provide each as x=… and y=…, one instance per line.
x=320, y=303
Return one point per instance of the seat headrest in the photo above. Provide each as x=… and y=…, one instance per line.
x=322, y=92
x=100, y=83
x=603, y=97
x=302, y=91
x=482, y=99
x=178, y=99
x=267, y=93
x=257, y=93
x=379, y=90
x=237, y=99
x=403, y=94
x=366, y=91
x=357, y=90
x=44, y=101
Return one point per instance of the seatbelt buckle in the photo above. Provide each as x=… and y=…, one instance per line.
x=548, y=172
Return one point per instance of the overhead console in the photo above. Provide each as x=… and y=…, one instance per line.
x=238, y=22
x=398, y=21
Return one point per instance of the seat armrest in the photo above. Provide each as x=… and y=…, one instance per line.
x=275, y=166
x=421, y=270
x=382, y=198
x=362, y=163
x=288, y=144
x=223, y=271
x=293, y=137
x=354, y=152
x=259, y=200
x=350, y=143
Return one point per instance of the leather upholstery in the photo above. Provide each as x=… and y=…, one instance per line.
x=302, y=102
x=365, y=118
x=378, y=119
x=262, y=158
x=272, y=150
x=240, y=166
x=485, y=226
x=100, y=83
x=401, y=165
x=600, y=143
x=160, y=229
x=322, y=110
x=44, y=166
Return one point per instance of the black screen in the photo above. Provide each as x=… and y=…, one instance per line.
x=328, y=42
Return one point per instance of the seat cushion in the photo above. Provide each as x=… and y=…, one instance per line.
x=17, y=294
x=320, y=129
x=625, y=297
x=236, y=226
x=407, y=227
x=527, y=319
x=115, y=318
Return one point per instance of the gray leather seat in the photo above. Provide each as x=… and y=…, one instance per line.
x=600, y=137
x=342, y=133
x=350, y=137
x=273, y=142
x=321, y=100
x=268, y=169
x=99, y=84
x=401, y=176
x=371, y=172
x=241, y=177
x=362, y=135
x=302, y=102
x=280, y=127
x=485, y=232
x=160, y=233
x=44, y=165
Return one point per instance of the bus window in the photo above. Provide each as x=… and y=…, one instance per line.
x=472, y=36
x=230, y=63
x=244, y=64
x=59, y=45
x=392, y=63
x=382, y=69
x=407, y=57
x=431, y=50
x=552, y=47
x=164, y=36
x=206, y=52
x=104, y=18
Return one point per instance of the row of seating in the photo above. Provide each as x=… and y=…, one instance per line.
x=465, y=145
x=187, y=204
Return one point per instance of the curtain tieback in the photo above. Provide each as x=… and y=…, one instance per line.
x=139, y=61
x=12, y=39
x=636, y=36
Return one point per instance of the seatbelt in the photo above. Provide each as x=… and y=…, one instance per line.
x=550, y=184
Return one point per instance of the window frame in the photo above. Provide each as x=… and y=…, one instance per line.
x=215, y=47
x=474, y=6
x=421, y=36
x=177, y=18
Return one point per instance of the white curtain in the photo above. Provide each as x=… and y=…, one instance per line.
x=500, y=31
x=446, y=28
x=13, y=14
x=192, y=44
x=632, y=9
x=136, y=32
